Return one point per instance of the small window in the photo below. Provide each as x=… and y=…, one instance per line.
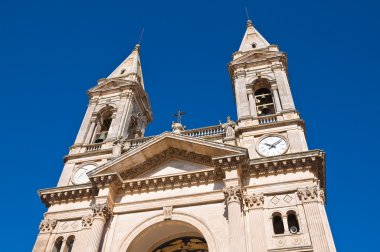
x=278, y=225
x=122, y=71
x=58, y=244
x=264, y=102
x=70, y=243
x=293, y=223
x=253, y=45
x=104, y=124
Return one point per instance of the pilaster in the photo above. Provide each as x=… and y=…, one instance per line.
x=312, y=199
x=46, y=228
x=233, y=197
x=283, y=86
x=254, y=206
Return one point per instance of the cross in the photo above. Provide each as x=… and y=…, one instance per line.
x=179, y=114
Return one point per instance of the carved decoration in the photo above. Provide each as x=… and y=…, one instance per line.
x=229, y=127
x=232, y=194
x=102, y=211
x=47, y=225
x=87, y=221
x=254, y=201
x=311, y=194
x=168, y=211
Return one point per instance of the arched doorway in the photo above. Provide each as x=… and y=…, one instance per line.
x=169, y=236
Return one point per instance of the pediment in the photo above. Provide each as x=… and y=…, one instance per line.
x=173, y=167
x=254, y=56
x=167, y=153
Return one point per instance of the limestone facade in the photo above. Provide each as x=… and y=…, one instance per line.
x=249, y=186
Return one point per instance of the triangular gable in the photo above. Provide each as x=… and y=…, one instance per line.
x=173, y=166
x=163, y=148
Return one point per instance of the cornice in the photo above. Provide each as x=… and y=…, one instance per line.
x=272, y=124
x=200, y=177
x=51, y=196
x=313, y=160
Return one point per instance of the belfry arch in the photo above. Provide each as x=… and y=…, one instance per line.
x=151, y=235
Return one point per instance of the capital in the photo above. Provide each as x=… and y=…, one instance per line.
x=87, y=221
x=47, y=225
x=311, y=194
x=277, y=66
x=232, y=194
x=102, y=211
x=254, y=201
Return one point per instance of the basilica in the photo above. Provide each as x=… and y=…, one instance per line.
x=244, y=185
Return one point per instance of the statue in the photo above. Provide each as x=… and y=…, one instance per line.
x=229, y=127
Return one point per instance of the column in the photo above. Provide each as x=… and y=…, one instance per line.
x=85, y=123
x=90, y=132
x=252, y=103
x=311, y=199
x=101, y=214
x=255, y=206
x=46, y=228
x=242, y=103
x=283, y=86
x=235, y=218
x=276, y=99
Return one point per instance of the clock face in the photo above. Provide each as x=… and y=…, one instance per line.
x=80, y=175
x=272, y=146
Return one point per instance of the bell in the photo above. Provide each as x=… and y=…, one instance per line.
x=101, y=137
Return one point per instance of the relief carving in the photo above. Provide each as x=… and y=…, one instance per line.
x=254, y=201
x=102, y=211
x=47, y=225
x=232, y=194
x=311, y=194
x=87, y=221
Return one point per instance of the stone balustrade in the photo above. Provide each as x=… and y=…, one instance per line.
x=207, y=131
x=267, y=119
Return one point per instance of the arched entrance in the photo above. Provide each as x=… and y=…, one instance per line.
x=169, y=236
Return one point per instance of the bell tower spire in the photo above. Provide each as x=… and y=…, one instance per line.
x=130, y=68
x=261, y=87
x=252, y=39
x=118, y=108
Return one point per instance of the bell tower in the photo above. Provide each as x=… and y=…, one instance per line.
x=118, y=108
x=262, y=93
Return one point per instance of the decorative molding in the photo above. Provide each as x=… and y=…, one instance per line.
x=102, y=211
x=229, y=162
x=311, y=194
x=67, y=194
x=87, y=221
x=233, y=194
x=288, y=163
x=254, y=201
x=47, y=225
x=170, y=182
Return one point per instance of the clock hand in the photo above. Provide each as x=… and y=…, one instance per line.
x=279, y=141
x=268, y=144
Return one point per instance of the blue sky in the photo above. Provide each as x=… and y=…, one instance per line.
x=51, y=52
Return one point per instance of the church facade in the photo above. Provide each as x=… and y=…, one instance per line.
x=246, y=186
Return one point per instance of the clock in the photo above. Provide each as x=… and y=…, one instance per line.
x=272, y=145
x=80, y=176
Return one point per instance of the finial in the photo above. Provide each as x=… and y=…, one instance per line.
x=249, y=23
x=141, y=36
x=137, y=47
